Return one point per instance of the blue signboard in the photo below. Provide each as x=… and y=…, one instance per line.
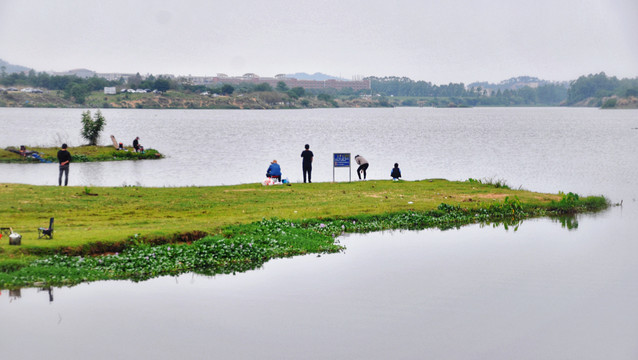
x=341, y=159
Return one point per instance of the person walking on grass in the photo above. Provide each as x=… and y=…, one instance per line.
x=306, y=164
x=64, y=157
x=363, y=166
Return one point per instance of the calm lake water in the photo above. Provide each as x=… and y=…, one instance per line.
x=544, y=291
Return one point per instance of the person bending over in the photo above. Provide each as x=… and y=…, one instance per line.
x=363, y=166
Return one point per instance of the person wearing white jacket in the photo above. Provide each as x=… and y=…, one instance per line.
x=363, y=166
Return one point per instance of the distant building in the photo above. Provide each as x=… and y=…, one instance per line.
x=110, y=90
x=81, y=73
x=251, y=78
x=115, y=76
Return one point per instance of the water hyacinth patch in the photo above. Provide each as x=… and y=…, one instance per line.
x=240, y=248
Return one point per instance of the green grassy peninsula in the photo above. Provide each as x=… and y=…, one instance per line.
x=138, y=233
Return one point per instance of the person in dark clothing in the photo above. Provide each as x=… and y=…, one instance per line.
x=64, y=157
x=136, y=144
x=306, y=164
x=396, y=172
x=363, y=166
x=274, y=171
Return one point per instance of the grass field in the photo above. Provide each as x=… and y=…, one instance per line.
x=110, y=214
x=86, y=216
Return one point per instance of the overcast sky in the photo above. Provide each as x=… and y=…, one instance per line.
x=440, y=41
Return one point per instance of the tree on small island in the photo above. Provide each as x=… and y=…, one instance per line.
x=91, y=128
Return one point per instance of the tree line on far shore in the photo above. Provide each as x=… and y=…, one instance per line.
x=597, y=86
x=78, y=89
x=409, y=92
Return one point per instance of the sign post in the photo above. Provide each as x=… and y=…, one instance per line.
x=341, y=160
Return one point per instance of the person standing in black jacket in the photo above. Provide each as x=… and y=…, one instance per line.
x=306, y=164
x=64, y=157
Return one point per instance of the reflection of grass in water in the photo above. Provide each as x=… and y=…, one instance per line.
x=569, y=222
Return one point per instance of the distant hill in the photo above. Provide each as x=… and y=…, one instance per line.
x=515, y=83
x=9, y=68
x=316, y=76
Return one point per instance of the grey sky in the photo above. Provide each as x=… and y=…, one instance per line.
x=439, y=40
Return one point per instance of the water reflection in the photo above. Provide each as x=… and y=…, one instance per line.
x=507, y=224
x=475, y=292
x=569, y=222
x=16, y=294
x=49, y=290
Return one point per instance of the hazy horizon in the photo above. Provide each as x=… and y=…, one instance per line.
x=454, y=41
x=305, y=75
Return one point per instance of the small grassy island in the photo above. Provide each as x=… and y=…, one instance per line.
x=92, y=126
x=138, y=233
x=84, y=153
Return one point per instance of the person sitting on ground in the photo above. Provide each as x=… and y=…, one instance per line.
x=274, y=171
x=396, y=172
x=136, y=144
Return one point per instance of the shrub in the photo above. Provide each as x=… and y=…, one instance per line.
x=91, y=128
x=609, y=103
